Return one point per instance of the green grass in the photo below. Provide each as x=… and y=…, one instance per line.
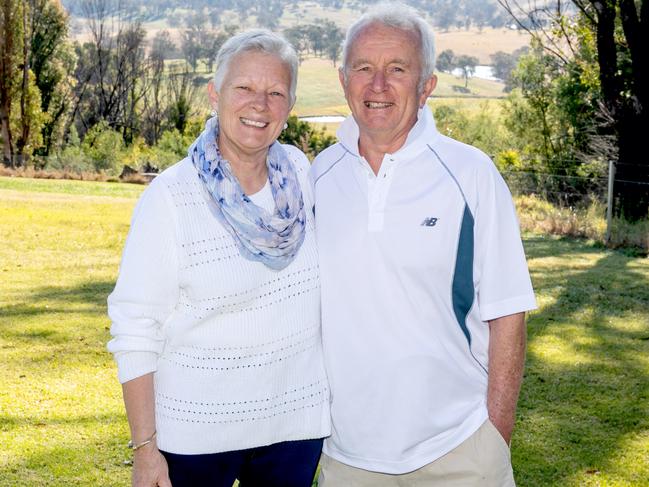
x=583, y=417
x=584, y=409
x=61, y=416
x=318, y=89
x=62, y=186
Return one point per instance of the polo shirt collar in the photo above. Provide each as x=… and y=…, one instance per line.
x=423, y=133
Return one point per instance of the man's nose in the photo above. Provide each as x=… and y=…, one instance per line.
x=378, y=81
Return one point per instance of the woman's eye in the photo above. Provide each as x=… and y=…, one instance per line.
x=243, y=88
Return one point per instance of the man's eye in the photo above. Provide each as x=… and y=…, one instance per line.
x=276, y=93
x=397, y=69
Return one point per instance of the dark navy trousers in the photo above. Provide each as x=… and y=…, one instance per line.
x=286, y=464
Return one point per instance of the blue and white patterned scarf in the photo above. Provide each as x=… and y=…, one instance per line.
x=273, y=239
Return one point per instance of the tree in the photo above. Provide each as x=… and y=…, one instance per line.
x=620, y=31
x=213, y=43
x=303, y=135
x=504, y=63
x=32, y=67
x=10, y=31
x=191, y=46
x=52, y=60
x=297, y=36
x=154, y=113
x=445, y=13
x=269, y=13
x=181, y=94
x=334, y=37
x=315, y=33
x=467, y=64
x=162, y=46
x=446, y=61
x=481, y=12
x=111, y=73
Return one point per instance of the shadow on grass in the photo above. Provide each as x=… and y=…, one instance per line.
x=576, y=411
x=539, y=246
x=45, y=304
x=8, y=421
x=85, y=458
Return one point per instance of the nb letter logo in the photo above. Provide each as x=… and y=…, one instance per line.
x=429, y=222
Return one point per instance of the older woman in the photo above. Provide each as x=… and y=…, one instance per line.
x=215, y=315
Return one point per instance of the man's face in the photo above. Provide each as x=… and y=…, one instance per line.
x=381, y=88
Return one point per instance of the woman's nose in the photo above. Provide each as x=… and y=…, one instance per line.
x=260, y=101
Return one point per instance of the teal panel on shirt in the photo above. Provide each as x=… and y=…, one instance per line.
x=463, y=291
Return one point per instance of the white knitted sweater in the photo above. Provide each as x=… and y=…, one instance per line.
x=235, y=346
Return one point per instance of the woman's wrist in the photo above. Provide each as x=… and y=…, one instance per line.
x=146, y=450
x=136, y=445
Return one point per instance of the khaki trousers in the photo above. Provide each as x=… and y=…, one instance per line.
x=481, y=460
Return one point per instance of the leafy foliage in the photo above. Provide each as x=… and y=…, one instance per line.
x=603, y=83
x=305, y=137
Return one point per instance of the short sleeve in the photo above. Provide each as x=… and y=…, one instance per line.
x=503, y=281
x=147, y=287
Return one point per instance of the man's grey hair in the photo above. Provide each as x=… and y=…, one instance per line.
x=256, y=40
x=399, y=16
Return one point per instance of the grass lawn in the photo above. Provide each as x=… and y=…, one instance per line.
x=584, y=409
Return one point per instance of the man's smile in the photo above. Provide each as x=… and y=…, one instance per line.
x=378, y=104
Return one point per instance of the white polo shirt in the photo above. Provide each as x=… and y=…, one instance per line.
x=413, y=262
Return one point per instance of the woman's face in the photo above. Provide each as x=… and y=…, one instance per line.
x=253, y=104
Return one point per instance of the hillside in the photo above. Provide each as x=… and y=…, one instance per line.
x=472, y=38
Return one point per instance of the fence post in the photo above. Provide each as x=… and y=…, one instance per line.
x=609, y=202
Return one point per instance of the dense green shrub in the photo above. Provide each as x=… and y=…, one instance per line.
x=306, y=137
x=482, y=129
x=104, y=146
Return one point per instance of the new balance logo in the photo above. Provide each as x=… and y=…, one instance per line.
x=429, y=222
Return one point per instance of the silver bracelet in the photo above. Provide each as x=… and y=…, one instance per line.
x=137, y=446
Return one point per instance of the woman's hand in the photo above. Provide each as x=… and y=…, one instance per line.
x=150, y=468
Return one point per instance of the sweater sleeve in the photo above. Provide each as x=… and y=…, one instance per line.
x=147, y=287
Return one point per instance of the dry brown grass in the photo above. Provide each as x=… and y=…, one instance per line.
x=625, y=234
x=542, y=217
x=30, y=172
x=481, y=44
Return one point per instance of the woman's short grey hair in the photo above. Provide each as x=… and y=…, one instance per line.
x=399, y=16
x=256, y=40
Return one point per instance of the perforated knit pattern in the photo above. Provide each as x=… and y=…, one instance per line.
x=240, y=360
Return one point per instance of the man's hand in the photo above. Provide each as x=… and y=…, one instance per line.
x=506, y=362
x=150, y=468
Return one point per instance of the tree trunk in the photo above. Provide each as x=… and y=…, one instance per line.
x=632, y=174
x=24, y=117
x=626, y=101
x=6, y=77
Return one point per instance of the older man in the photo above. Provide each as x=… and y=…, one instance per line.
x=424, y=279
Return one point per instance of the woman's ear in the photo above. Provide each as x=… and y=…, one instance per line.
x=212, y=95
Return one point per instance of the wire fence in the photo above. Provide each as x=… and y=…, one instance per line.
x=559, y=188
x=574, y=189
x=585, y=205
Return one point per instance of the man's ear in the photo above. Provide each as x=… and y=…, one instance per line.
x=212, y=95
x=428, y=88
x=341, y=77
